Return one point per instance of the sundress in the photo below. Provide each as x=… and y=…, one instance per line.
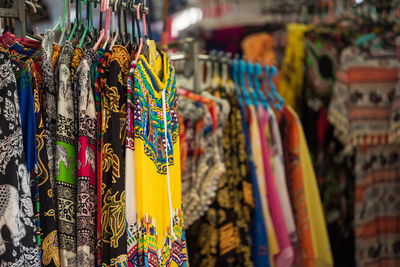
x=161, y=240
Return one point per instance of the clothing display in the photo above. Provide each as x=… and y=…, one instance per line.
x=97, y=125
x=250, y=221
x=364, y=112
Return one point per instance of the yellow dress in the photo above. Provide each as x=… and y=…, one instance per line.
x=155, y=108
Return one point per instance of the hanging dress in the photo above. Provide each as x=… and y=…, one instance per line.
x=130, y=179
x=98, y=72
x=45, y=205
x=18, y=247
x=113, y=207
x=50, y=98
x=65, y=165
x=86, y=181
x=157, y=156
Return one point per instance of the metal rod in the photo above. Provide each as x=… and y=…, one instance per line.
x=129, y=5
x=9, y=13
x=20, y=23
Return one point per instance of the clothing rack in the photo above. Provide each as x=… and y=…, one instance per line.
x=191, y=49
x=16, y=12
x=128, y=5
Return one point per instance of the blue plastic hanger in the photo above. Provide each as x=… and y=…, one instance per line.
x=257, y=74
x=273, y=72
x=253, y=90
x=235, y=75
x=270, y=97
x=242, y=72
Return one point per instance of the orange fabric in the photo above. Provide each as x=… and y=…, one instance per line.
x=297, y=191
x=260, y=47
x=56, y=55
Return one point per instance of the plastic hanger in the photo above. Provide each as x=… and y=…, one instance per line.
x=242, y=73
x=146, y=37
x=236, y=80
x=250, y=78
x=32, y=6
x=107, y=24
x=225, y=69
x=73, y=30
x=84, y=34
x=117, y=28
x=270, y=96
x=139, y=51
x=102, y=34
x=273, y=72
x=64, y=27
x=257, y=74
x=58, y=25
x=126, y=39
x=78, y=10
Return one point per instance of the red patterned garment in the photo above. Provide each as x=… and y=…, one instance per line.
x=365, y=111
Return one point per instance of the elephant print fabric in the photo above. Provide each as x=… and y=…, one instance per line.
x=18, y=245
x=86, y=180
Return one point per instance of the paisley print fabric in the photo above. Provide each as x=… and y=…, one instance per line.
x=365, y=113
x=86, y=176
x=50, y=97
x=65, y=165
x=18, y=247
x=161, y=240
x=45, y=200
x=25, y=96
x=98, y=70
x=221, y=236
x=204, y=165
x=130, y=178
x=113, y=207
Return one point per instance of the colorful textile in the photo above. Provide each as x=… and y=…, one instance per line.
x=19, y=247
x=161, y=238
x=310, y=222
x=377, y=212
x=86, y=177
x=65, y=165
x=25, y=95
x=361, y=113
x=99, y=70
x=286, y=254
x=204, y=165
x=50, y=97
x=113, y=207
x=46, y=205
x=280, y=176
x=130, y=178
x=292, y=71
x=260, y=247
x=365, y=112
x=260, y=47
x=255, y=139
x=221, y=236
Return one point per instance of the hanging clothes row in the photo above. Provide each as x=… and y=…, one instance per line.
x=342, y=79
x=249, y=192
x=90, y=144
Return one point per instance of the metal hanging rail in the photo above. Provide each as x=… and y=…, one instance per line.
x=128, y=5
x=16, y=12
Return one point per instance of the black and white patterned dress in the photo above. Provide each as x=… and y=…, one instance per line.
x=17, y=237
